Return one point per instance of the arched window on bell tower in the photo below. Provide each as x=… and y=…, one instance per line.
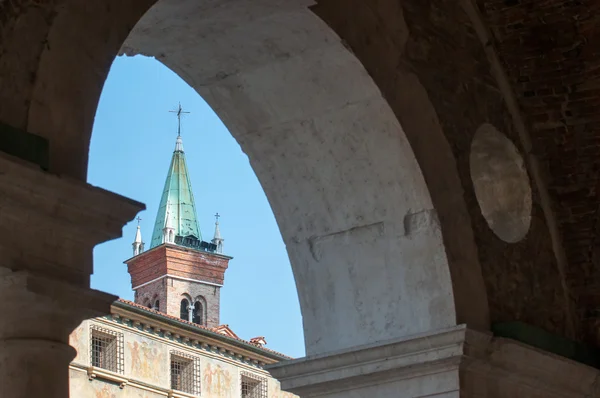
x=184, y=312
x=198, y=316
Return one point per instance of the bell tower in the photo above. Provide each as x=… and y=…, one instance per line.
x=180, y=274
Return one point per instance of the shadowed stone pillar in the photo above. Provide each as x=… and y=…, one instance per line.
x=455, y=362
x=48, y=228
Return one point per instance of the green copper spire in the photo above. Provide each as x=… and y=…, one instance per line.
x=177, y=211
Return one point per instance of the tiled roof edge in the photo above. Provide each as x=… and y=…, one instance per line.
x=129, y=305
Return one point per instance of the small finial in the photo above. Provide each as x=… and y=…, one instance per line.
x=138, y=244
x=218, y=240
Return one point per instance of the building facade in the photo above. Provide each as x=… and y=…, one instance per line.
x=169, y=342
x=137, y=352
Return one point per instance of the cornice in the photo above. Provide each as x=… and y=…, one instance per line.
x=122, y=381
x=372, y=364
x=97, y=211
x=65, y=218
x=199, y=339
x=475, y=359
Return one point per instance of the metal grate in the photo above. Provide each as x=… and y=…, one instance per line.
x=106, y=349
x=185, y=373
x=253, y=386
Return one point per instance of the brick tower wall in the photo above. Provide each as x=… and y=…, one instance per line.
x=170, y=292
x=149, y=293
x=209, y=295
x=184, y=272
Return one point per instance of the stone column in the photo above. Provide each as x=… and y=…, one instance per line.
x=455, y=362
x=48, y=228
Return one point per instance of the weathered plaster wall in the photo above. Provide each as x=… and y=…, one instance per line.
x=146, y=360
x=78, y=339
x=81, y=387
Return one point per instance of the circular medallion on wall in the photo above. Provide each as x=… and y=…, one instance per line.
x=501, y=184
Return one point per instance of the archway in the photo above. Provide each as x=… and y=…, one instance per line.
x=347, y=192
x=367, y=248
x=345, y=200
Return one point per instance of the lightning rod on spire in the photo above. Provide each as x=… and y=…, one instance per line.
x=179, y=112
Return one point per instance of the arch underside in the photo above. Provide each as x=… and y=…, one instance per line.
x=352, y=205
x=379, y=249
x=382, y=245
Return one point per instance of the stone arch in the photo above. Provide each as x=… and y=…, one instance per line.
x=187, y=297
x=155, y=303
x=374, y=248
x=185, y=302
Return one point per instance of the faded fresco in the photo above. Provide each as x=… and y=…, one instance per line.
x=78, y=340
x=218, y=379
x=146, y=360
x=81, y=387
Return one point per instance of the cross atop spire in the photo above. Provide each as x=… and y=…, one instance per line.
x=179, y=112
x=138, y=220
x=218, y=240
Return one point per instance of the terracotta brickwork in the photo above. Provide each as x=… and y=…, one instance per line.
x=208, y=295
x=170, y=291
x=148, y=294
x=183, y=271
x=550, y=53
x=177, y=261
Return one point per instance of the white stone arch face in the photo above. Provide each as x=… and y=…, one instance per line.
x=185, y=296
x=348, y=195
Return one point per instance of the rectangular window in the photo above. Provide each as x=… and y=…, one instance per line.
x=185, y=373
x=253, y=386
x=106, y=349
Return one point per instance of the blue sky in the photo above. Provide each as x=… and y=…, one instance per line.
x=132, y=143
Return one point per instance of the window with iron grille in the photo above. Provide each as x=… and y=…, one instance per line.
x=106, y=349
x=253, y=386
x=185, y=373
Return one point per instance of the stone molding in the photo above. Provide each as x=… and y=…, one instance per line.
x=469, y=362
x=99, y=373
x=201, y=345
x=51, y=223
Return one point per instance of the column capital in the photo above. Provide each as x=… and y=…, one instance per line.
x=51, y=223
x=451, y=362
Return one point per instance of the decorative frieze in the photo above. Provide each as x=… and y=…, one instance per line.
x=184, y=340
